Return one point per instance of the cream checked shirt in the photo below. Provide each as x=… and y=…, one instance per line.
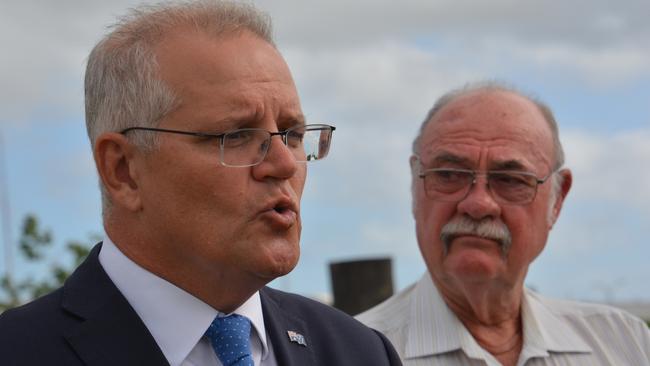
x=424, y=331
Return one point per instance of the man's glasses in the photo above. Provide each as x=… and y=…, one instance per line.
x=248, y=146
x=506, y=186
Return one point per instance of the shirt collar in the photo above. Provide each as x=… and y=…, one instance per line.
x=176, y=319
x=546, y=331
x=432, y=319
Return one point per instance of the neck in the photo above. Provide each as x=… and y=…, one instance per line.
x=492, y=314
x=503, y=340
x=224, y=288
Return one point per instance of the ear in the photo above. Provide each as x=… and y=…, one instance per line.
x=567, y=181
x=413, y=162
x=115, y=158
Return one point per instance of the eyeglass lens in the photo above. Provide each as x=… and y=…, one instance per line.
x=454, y=185
x=247, y=147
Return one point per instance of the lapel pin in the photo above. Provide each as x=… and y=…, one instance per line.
x=297, y=338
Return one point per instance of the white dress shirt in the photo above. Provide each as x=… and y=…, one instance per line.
x=425, y=331
x=176, y=319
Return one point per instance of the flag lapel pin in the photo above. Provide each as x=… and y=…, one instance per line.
x=296, y=338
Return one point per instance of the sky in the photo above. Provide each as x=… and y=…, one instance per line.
x=372, y=69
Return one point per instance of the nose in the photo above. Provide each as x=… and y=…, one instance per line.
x=279, y=161
x=479, y=202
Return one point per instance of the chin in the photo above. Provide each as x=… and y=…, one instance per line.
x=472, y=268
x=474, y=274
x=279, y=264
x=271, y=273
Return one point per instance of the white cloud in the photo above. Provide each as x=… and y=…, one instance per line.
x=589, y=39
x=608, y=207
x=373, y=69
x=614, y=65
x=577, y=22
x=387, y=80
x=610, y=167
x=45, y=48
x=46, y=44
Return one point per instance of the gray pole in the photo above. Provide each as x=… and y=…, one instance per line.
x=6, y=213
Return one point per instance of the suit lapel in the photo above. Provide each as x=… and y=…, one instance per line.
x=109, y=331
x=279, y=323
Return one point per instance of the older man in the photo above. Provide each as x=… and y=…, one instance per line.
x=201, y=145
x=488, y=185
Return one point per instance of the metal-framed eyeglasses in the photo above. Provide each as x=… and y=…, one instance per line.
x=247, y=147
x=506, y=186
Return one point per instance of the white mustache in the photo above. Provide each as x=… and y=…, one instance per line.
x=484, y=228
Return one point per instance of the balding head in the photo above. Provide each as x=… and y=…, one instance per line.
x=486, y=87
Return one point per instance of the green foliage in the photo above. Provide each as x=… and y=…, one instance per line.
x=33, y=245
x=33, y=240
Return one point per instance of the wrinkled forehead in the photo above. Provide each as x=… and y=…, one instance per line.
x=499, y=128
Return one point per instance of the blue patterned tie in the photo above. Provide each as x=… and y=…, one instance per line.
x=230, y=339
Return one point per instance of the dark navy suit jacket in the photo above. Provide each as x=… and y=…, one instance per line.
x=89, y=322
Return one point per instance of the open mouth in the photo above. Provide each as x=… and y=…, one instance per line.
x=281, y=216
x=280, y=209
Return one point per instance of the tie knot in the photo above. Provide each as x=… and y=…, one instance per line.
x=230, y=339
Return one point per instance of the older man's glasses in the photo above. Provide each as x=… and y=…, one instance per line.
x=507, y=187
x=248, y=146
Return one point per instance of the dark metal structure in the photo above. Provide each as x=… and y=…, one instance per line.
x=361, y=284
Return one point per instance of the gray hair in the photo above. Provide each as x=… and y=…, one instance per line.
x=122, y=85
x=490, y=86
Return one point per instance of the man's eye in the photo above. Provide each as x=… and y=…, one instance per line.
x=450, y=175
x=511, y=180
x=238, y=138
x=296, y=135
x=295, y=138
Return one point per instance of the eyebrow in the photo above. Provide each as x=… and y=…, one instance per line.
x=240, y=120
x=508, y=165
x=447, y=157
x=300, y=118
x=227, y=123
x=289, y=121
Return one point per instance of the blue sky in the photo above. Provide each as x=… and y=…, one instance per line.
x=373, y=69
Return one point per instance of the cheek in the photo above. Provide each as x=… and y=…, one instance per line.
x=298, y=180
x=429, y=220
x=215, y=198
x=529, y=233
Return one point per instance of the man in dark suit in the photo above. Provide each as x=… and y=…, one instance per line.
x=201, y=148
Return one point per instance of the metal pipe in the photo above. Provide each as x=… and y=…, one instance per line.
x=6, y=212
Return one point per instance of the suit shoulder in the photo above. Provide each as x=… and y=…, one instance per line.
x=39, y=321
x=330, y=322
x=310, y=310
x=32, y=314
x=334, y=333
